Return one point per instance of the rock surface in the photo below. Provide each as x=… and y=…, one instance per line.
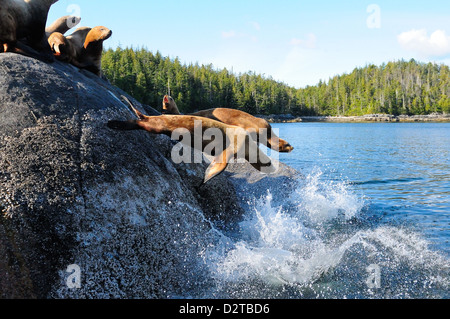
x=74, y=192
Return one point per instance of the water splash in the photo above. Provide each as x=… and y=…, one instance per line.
x=323, y=201
x=277, y=248
x=304, y=249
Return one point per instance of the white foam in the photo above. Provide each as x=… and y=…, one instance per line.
x=280, y=247
x=323, y=201
x=276, y=248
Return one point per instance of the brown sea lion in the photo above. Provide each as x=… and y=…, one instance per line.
x=88, y=45
x=63, y=49
x=83, y=48
x=77, y=39
x=24, y=20
x=59, y=45
x=237, y=118
x=63, y=24
x=232, y=141
x=93, y=49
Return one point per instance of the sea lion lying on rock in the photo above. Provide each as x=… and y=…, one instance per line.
x=24, y=21
x=83, y=48
x=62, y=48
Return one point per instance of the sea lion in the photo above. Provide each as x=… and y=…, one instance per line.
x=232, y=140
x=88, y=46
x=63, y=24
x=58, y=44
x=92, y=51
x=83, y=48
x=69, y=49
x=237, y=118
x=77, y=39
x=24, y=20
x=63, y=49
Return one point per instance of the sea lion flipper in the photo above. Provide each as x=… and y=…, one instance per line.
x=217, y=166
x=123, y=125
x=213, y=170
x=138, y=114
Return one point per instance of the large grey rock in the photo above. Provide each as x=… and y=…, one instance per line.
x=74, y=192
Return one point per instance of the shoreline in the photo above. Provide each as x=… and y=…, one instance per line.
x=371, y=118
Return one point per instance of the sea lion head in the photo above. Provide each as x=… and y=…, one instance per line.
x=97, y=34
x=169, y=105
x=284, y=147
x=59, y=45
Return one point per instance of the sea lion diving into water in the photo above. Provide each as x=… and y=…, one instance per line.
x=238, y=118
x=22, y=27
x=229, y=141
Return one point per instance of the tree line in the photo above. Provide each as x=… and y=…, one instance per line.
x=400, y=87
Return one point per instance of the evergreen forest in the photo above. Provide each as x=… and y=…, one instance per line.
x=397, y=88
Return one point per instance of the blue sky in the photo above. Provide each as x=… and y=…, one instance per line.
x=293, y=41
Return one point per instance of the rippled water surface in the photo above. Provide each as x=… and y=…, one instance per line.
x=370, y=219
x=402, y=170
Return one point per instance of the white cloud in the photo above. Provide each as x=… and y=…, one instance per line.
x=228, y=34
x=437, y=44
x=309, y=43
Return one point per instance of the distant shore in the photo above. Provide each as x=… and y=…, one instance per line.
x=288, y=118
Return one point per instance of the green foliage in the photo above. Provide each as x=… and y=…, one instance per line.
x=394, y=88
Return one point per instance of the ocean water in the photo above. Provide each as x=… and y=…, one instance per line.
x=370, y=219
